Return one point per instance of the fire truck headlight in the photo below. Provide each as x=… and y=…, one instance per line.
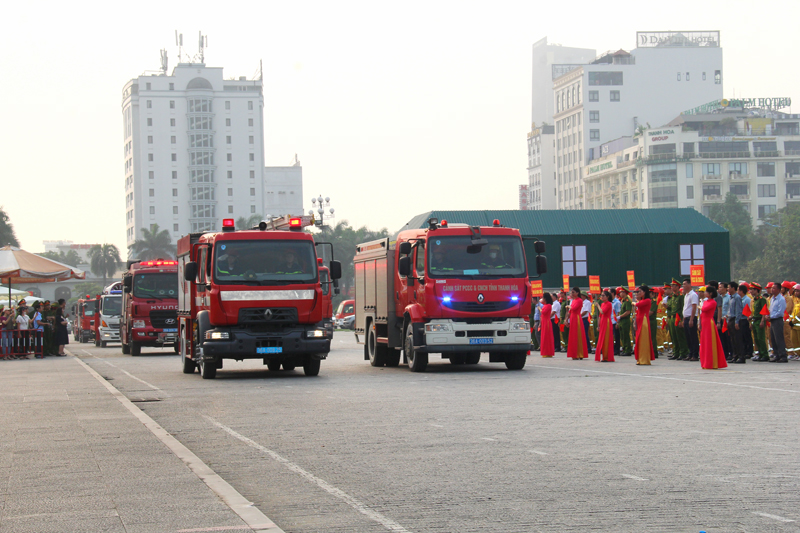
x=218, y=335
x=438, y=328
x=315, y=333
x=138, y=323
x=520, y=326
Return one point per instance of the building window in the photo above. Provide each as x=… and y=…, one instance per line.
x=614, y=96
x=172, y=104
x=252, y=191
x=230, y=191
x=172, y=122
x=594, y=135
x=228, y=122
x=227, y=139
x=711, y=169
x=594, y=116
x=174, y=174
x=689, y=171
x=151, y=175
x=594, y=96
x=717, y=77
x=765, y=170
x=149, y=104
x=692, y=254
x=149, y=121
x=252, y=157
x=687, y=76
x=690, y=192
x=252, y=174
x=252, y=141
x=152, y=193
x=230, y=174
x=149, y=157
x=147, y=85
x=152, y=210
x=740, y=189
x=712, y=191
x=175, y=192
x=174, y=157
x=764, y=210
x=679, y=76
x=250, y=122
x=688, y=149
x=230, y=157
x=252, y=209
x=704, y=76
x=227, y=105
x=149, y=139
x=175, y=228
x=250, y=106
x=173, y=139
x=174, y=209
x=230, y=209
x=737, y=169
x=202, y=193
x=766, y=191
x=573, y=261
x=605, y=78
x=171, y=86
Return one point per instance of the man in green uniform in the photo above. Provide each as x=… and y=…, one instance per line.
x=624, y=322
x=563, y=319
x=759, y=333
x=680, y=343
x=665, y=302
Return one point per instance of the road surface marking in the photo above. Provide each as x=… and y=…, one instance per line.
x=359, y=506
x=249, y=513
x=132, y=376
x=437, y=425
x=636, y=478
x=774, y=517
x=625, y=419
x=487, y=438
x=537, y=452
x=669, y=378
x=218, y=528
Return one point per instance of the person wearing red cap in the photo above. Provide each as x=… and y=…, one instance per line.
x=761, y=352
x=786, y=292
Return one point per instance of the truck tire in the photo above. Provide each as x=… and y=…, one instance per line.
x=393, y=358
x=84, y=338
x=473, y=358
x=273, y=365
x=417, y=362
x=208, y=369
x=311, y=366
x=136, y=349
x=516, y=361
x=188, y=365
x=97, y=341
x=104, y=344
x=177, y=347
x=126, y=348
x=376, y=352
x=458, y=359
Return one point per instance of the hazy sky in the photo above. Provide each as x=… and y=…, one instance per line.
x=393, y=108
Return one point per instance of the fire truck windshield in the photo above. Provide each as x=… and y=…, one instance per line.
x=112, y=305
x=263, y=262
x=88, y=308
x=161, y=285
x=455, y=257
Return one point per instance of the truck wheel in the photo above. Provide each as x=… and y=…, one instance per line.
x=273, y=365
x=97, y=341
x=473, y=358
x=311, y=366
x=376, y=352
x=177, y=347
x=208, y=369
x=188, y=365
x=84, y=338
x=393, y=358
x=136, y=349
x=417, y=362
x=104, y=344
x=458, y=359
x=516, y=361
x=126, y=348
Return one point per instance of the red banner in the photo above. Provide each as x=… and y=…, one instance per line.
x=631, y=280
x=566, y=283
x=536, y=288
x=697, y=275
x=594, y=284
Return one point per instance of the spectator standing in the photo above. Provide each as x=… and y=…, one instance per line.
x=735, y=316
x=556, y=312
x=564, y=317
x=61, y=336
x=36, y=324
x=644, y=345
x=576, y=346
x=777, y=308
x=624, y=322
x=8, y=325
x=760, y=350
x=786, y=292
x=586, y=309
x=22, y=326
x=604, y=351
x=690, y=307
x=548, y=329
x=747, y=337
x=712, y=356
x=616, y=306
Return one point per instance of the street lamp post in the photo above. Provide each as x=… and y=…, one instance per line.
x=318, y=210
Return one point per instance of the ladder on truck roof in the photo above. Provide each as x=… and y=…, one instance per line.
x=287, y=222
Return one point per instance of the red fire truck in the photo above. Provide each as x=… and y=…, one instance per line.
x=451, y=289
x=252, y=294
x=85, y=312
x=150, y=305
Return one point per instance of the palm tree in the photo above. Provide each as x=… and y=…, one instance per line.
x=155, y=244
x=7, y=235
x=103, y=260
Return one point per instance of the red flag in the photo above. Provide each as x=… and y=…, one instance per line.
x=765, y=311
x=747, y=312
x=677, y=320
x=561, y=327
x=724, y=326
x=556, y=319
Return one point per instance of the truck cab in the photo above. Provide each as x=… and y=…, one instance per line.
x=150, y=305
x=107, y=322
x=83, y=325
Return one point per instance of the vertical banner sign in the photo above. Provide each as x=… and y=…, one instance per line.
x=697, y=275
x=631, y=280
x=594, y=284
x=536, y=288
x=566, y=283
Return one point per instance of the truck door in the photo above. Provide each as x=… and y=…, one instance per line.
x=418, y=293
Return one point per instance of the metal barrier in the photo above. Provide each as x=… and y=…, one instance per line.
x=21, y=342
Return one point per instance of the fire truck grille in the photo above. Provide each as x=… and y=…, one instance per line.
x=164, y=319
x=268, y=315
x=485, y=307
x=269, y=343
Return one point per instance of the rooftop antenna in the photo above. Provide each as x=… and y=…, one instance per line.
x=179, y=44
x=164, y=61
x=202, y=43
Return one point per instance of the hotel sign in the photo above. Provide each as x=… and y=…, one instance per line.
x=598, y=168
x=656, y=39
x=743, y=103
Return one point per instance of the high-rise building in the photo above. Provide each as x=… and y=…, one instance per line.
x=550, y=61
x=194, y=150
x=614, y=94
x=541, y=188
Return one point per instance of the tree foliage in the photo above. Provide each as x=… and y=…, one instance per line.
x=345, y=239
x=733, y=216
x=103, y=260
x=777, y=237
x=70, y=258
x=7, y=235
x=248, y=222
x=154, y=244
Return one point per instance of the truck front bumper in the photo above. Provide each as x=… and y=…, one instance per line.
x=246, y=344
x=446, y=336
x=110, y=334
x=149, y=336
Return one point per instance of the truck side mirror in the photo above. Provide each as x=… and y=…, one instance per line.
x=126, y=289
x=336, y=269
x=127, y=281
x=190, y=271
x=541, y=264
x=404, y=264
x=538, y=247
x=404, y=248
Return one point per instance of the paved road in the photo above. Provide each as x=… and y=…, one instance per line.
x=559, y=446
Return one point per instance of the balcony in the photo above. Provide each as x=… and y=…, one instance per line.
x=764, y=153
x=657, y=159
x=792, y=177
x=792, y=197
x=733, y=176
x=725, y=155
x=623, y=164
x=743, y=197
x=712, y=177
x=712, y=198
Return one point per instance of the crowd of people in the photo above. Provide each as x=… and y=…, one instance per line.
x=39, y=330
x=716, y=324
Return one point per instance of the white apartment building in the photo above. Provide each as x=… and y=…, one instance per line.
x=283, y=191
x=541, y=189
x=613, y=95
x=550, y=61
x=193, y=150
x=698, y=159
